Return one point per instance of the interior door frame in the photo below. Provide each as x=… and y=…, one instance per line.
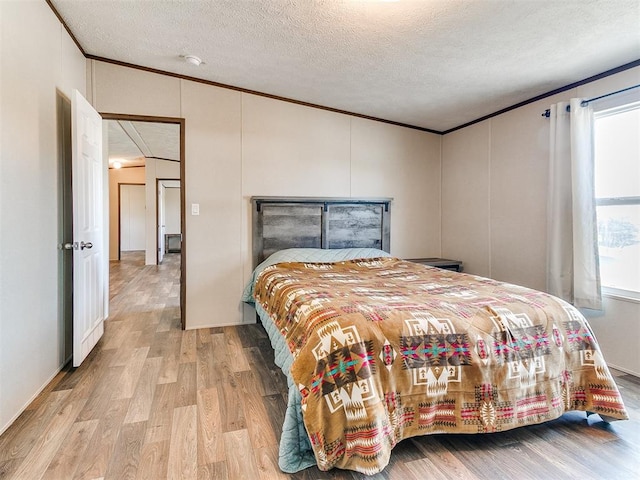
x=158, y=182
x=120, y=215
x=65, y=202
x=183, y=264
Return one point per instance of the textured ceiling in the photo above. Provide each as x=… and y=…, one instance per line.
x=131, y=142
x=436, y=64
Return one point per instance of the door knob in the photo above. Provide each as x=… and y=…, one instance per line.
x=85, y=245
x=68, y=246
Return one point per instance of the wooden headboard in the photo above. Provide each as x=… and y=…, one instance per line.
x=319, y=222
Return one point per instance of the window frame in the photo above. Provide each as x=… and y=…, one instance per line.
x=613, y=292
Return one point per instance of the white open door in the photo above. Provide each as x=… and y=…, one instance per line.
x=161, y=222
x=89, y=276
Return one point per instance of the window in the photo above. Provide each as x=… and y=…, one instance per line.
x=617, y=185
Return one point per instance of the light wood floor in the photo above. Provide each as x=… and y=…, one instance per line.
x=154, y=402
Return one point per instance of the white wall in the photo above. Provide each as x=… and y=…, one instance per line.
x=494, y=197
x=402, y=163
x=38, y=61
x=465, y=198
x=239, y=145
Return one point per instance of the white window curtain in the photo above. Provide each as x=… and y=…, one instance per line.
x=573, y=270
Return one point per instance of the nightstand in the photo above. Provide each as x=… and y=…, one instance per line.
x=455, y=265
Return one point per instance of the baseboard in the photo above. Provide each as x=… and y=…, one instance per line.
x=33, y=397
x=624, y=370
x=214, y=325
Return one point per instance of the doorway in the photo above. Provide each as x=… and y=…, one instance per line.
x=168, y=217
x=142, y=151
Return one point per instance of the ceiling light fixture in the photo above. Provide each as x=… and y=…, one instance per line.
x=193, y=60
x=117, y=165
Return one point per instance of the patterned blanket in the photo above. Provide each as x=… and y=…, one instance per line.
x=386, y=349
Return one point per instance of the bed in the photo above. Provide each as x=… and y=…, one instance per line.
x=377, y=349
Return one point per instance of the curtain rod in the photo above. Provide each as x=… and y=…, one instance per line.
x=584, y=103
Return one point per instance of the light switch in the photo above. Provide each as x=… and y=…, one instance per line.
x=195, y=209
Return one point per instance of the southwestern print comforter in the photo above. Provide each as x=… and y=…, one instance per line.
x=385, y=349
